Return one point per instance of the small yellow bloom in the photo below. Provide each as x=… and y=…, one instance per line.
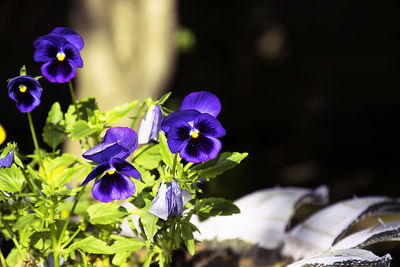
x=2, y=134
x=65, y=214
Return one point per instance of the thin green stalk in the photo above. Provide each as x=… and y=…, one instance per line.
x=2, y=260
x=10, y=232
x=70, y=214
x=32, y=186
x=137, y=114
x=174, y=164
x=54, y=239
x=35, y=142
x=71, y=90
x=71, y=238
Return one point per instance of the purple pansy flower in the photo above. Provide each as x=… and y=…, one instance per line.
x=8, y=160
x=193, y=131
x=117, y=144
x=25, y=91
x=150, y=125
x=168, y=202
x=60, y=52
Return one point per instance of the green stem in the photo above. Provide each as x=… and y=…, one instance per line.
x=54, y=239
x=71, y=238
x=10, y=232
x=35, y=142
x=174, y=164
x=32, y=186
x=2, y=260
x=137, y=114
x=70, y=214
x=71, y=90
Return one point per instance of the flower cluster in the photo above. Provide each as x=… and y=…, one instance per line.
x=117, y=144
x=59, y=51
x=193, y=130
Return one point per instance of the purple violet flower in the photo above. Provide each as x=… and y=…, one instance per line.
x=60, y=52
x=25, y=91
x=168, y=202
x=193, y=130
x=8, y=160
x=150, y=125
x=117, y=144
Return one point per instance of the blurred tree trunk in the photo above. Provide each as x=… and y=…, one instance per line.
x=129, y=49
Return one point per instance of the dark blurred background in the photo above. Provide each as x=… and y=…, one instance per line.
x=309, y=88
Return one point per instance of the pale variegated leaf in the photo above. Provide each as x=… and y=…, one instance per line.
x=264, y=216
x=320, y=231
x=345, y=257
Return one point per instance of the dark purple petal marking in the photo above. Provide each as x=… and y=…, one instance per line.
x=104, y=152
x=209, y=126
x=178, y=136
x=95, y=173
x=125, y=137
x=125, y=167
x=70, y=35
x=201, y=149
x=58, y=71
x=47, y=51
x=8, y=160
x=114, y=186
x=204, y=102
x=72, y=55
x=183, y=115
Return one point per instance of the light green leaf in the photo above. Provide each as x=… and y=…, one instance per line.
x=149, y=221
x=22, y=70
x=82, y=129
x=65, y=159
x=219, y=165
x=23, y=221
x=54, y=130
x=120, y=258
x=11, y=179
x=92, y=244
x=105, y=213
x=187, y=236
x=148, y=156
x=13, y=257
x=166, y=154
x=117, y=113
x=208, y=207
x=163, y=98
x=63, y=178
x=126, y=244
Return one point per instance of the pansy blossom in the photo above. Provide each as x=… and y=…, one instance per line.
x=25, y=91
x=168, y=202
x=59, y=51
x=8, y=160
x=117, y=144
x=193, y=131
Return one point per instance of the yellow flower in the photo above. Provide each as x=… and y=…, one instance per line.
x=2, y=134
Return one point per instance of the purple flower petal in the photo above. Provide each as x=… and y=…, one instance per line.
x=104, y=152
x=58, y=72
x=113, y=187
x=209, y=126
x=184, y=115
x=125, y=137
x=47, y=48
x=95, y=173
x=201, y=149
x=8, y=160
x=178, y=136
x=125, y=167
x=28, y=99
x=159, y=206
x=72, y=55
x=150, y=125
x=70, y=35
x=204, y=102
x=177, y=196
x=168, y=201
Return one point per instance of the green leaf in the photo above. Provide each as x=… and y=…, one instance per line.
x=149, y=221
x=23, y=221
x=166, y=154
x=13, y=257
x=120, y=258
x=92, y=244
x=22, y=71
x=117, y=113
x=54, y=130
x=65, y=159
x=148, y=156
x=208, y=207
x=82, y=129
x=11, y=179
x=105, y=213
x=163, y=99
x=63, y=178
x=217, y=166
x=187, y=236
x=126, y=244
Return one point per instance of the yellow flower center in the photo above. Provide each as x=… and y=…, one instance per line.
x=111, y=171
x=195, y=134
x=22, y=88
x=60, y=56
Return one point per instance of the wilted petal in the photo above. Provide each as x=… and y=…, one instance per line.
x=113, y=187
x=95, y=173
x=8, y=160
x=125, y=167
x=104, y=152
x=150, y=125
x=183, y=115
x=204, y=102
x=159, y=205
x=168, y=202
x=176, y=192
x=125, y=137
